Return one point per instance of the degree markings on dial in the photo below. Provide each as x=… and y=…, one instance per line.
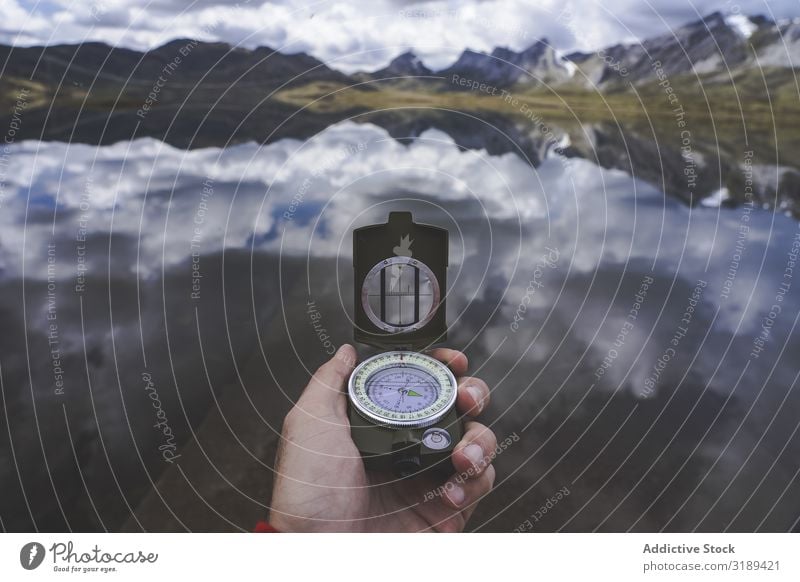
x=433, y=386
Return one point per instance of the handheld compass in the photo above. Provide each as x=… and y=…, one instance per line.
x=402, y=403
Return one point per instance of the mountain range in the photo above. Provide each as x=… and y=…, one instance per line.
x=99, y=65
x=731, y=72
x=714, y=47
x=711, y=47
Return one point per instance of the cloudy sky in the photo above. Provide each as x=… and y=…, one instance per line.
x=364, y=34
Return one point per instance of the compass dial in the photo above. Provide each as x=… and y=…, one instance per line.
x=402, y=389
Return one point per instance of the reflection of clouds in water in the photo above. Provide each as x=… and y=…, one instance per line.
x=595, y=217
x=606, y=226
x=600, y=231
x=605, y=234
x=311, y=174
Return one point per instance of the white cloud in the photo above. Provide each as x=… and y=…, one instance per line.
x=361, y=35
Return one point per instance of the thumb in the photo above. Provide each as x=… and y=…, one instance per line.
x=327, y=386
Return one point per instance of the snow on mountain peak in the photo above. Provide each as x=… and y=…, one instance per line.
x=741, y=24
x=571, y=67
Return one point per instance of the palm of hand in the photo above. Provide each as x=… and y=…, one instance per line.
x=321, y=483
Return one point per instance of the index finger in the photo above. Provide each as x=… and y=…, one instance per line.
x=454, y=359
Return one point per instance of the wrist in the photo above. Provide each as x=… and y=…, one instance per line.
x=265, y=527
x=280, y=522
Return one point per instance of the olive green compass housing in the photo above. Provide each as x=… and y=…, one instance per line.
x=421, y=430
x=401, y=402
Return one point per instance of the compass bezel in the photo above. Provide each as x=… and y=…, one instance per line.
x=445, y=400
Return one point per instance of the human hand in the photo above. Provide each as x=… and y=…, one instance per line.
x=320, y=480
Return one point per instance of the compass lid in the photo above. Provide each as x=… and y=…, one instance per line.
x=400, y=270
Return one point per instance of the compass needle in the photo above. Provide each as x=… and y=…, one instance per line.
x=379, y=386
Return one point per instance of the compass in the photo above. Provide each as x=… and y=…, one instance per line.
x=402, y=389
x=402, y=402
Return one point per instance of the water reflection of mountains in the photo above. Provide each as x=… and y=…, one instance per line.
x=712, y=171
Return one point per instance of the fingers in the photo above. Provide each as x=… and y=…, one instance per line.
x=327, y=386
x=473, y=393
x=473, y=455
x=460, y=494
x=473, y=396
x=457, y=498
x=454, y=359
x=467, y=513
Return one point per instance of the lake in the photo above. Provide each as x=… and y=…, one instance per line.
x=640, y=342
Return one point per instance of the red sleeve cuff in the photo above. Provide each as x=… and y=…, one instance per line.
x=265, y=527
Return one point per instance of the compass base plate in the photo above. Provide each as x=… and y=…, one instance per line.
x=401, y=450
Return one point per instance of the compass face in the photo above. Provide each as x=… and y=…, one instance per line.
x=407, y=389
x=402, y=389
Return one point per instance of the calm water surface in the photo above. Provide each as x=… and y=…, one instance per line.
x=643, y=350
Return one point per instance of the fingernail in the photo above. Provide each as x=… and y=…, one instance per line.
x=477, y=396
x=475, y=454
x=343, y=355
x=455, y=494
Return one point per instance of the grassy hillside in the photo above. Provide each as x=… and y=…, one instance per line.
x=727, y=101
